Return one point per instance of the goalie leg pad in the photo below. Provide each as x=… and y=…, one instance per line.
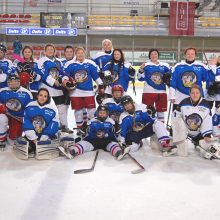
x=46, y=150
x=21, y=148
x=182, y=149
x=212, y=148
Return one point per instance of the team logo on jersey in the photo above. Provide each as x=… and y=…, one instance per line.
x=101, y=134
x=81, y=76
x=193, y=121
x=54, y=73
x=13, y=104
x=156, y=77
x=188, y=78
x=39, y=124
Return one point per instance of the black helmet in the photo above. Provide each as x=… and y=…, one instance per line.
x=3, y=48
x=125, y=99
x=102, y=108
x=13, y=77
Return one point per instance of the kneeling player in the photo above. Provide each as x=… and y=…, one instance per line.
x=41, y=124
x=114, y=105
x=136, y=124
x=13, y=100
x=100, y=135
x=193, y=118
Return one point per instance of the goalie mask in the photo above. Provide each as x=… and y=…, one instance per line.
x=117, y=92
x=13, y=82
x=102, y=112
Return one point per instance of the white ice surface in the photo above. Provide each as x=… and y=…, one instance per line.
x=173, y=188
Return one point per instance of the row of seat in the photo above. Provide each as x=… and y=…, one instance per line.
x=209, y=21
x=114, y=20
x=19, y=18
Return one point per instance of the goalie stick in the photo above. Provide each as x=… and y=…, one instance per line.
x=89, y=169
x=140, y=170
x=197, y=144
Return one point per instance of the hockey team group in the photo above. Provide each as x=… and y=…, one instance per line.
x=35, y=96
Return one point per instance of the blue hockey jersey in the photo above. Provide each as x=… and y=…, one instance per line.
x=98, y=130
x=40, y=120
x=115, y=109
x=51, y=70
x=152, y=77
x=184, y=75
x=31, y=69
x=102, y=58
x=83, y=73
x=6, y=68
x=120, y=76
x=15, y=101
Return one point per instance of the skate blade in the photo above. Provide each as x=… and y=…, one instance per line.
x=137, y=171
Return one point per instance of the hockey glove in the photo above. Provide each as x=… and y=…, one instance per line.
x=151, y=111
x=166, y=78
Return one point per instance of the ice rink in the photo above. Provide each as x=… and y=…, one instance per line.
x=172, y=188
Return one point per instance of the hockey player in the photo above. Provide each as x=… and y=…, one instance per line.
x=52, y=76
x=100, y=135
x=13, y=99
x=213, y=86
x=103, y=57
x=28, y=71
x=6, y=67
x=81, y=73
x=41, y=122
x=184, y=75
x=192, y=118
x=114, y=105
x=216, y=122
x=68, y=55
x=136, y=124
x=117, y=72
x=152, y=73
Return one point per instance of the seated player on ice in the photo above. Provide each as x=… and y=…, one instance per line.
x=114, y=105
x=136, y=124
x=41, y=124
x=100, y=135
x=192, y=118
x=13, y=100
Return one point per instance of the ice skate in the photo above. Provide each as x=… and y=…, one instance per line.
x=170, y=151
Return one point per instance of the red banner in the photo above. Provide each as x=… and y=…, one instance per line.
x=181, y=20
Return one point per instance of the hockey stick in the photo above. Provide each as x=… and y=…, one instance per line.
x=17, y=57
x=168, y=117
x=140, y=170
x=197, y=144
x=90, y=169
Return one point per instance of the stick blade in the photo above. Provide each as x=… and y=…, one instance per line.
x=138, y=171
x=82, y=171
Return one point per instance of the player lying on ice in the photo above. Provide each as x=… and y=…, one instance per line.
x=136, y=124
x=193, y=118
x=100, y=135
x=40, y=126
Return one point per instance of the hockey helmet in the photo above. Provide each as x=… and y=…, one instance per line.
x=126, y=99
x=118, y=88
x=102, y=116
x=25, y=78
x=13, y=81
